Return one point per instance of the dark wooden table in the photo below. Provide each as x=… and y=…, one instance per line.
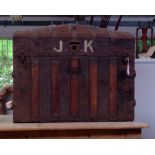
x=8, y=129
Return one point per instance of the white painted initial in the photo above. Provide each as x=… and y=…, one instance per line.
x=88, y=45
x=60, y=47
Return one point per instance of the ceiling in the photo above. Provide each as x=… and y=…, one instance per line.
x=8, y=26
x=43, y=20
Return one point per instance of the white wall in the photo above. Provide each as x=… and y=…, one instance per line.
x=145, y=95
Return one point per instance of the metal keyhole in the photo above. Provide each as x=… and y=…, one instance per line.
x=74, y=48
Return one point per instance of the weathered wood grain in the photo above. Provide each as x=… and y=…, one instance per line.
x=55, y=102
x=35, y=85
x=73, y=73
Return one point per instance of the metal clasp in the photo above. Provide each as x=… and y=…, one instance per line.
x=128, y=66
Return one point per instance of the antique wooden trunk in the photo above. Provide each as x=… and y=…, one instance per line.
x=73, y=73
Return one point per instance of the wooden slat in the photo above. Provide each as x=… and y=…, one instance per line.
x=45, y=89
x=35, y=90
x=84, y=90
x=122, y=111
x=74, y=87
x=55, y=87
x=93, y=79
x=64, y=89
x=22, y=90
x=113, y=90
x=126, y=99
x=74, y=97
x=103, y=88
